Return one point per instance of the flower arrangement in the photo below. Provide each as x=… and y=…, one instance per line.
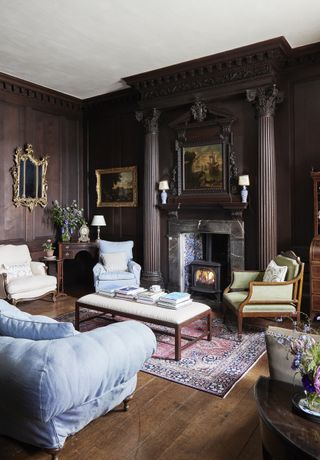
x=48, y=246
x=67, y=218
x=306, y=361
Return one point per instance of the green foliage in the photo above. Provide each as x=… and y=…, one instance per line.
x=70, y=217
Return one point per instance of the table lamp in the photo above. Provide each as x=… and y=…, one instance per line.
x=244, y=181
x=98, y=221
x=164, y=185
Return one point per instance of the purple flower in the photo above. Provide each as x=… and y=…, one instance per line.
x=307, y=384
x=317, y=381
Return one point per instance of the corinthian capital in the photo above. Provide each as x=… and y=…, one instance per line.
x=150, y=120
x=265, y=99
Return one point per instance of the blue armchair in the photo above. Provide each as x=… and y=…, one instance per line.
x=115, y=268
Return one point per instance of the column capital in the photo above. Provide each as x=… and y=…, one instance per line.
x=265, y=99
x=150, y=120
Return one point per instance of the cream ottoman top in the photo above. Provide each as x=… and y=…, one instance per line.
x=152, y=312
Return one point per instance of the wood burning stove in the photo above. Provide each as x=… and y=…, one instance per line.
x=205, y=277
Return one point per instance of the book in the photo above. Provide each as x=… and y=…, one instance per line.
x=175, y=297
x=128, y=292
x=171, y=306
x=149, y=296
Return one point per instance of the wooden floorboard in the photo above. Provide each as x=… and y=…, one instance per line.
x=166, y=421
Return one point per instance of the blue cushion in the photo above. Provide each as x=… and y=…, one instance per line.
x=21, y=325
x=116, y=246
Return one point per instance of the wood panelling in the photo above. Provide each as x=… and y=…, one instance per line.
x=52, y=123
x=115, y=139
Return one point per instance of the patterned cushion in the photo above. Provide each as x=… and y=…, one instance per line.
x=17, y=270
x=115, y=261
x=274, y=273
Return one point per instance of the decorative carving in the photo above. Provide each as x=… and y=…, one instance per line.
x=199, y=110
x=265, y=99
x=150, y=120
x=29, y=179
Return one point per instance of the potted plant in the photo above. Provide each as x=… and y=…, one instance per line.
x=48, y=248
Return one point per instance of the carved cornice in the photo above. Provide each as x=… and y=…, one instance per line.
x=249, y=63
x=16, y=87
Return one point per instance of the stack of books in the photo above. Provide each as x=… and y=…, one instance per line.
x=129, y=292
x=174, y=300
x=149, y=297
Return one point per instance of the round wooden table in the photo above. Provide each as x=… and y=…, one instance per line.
x=285, y=434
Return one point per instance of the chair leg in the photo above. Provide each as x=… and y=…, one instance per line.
x=240, y=319
x=126, y=403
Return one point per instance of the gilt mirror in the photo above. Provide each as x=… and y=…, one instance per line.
x=29, y=179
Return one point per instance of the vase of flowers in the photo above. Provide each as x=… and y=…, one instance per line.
x=48, y=248
x=67, y=219
x=306, y=361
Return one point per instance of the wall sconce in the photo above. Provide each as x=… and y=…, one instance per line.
x=164, y=185
x=244, y=182
x=98, y=221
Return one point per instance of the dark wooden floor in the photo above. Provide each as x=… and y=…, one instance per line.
x=165, y=421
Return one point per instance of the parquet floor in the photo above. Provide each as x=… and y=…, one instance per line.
x=166, y=421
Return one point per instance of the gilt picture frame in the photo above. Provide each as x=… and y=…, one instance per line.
x=117, y=187
x=202, y=167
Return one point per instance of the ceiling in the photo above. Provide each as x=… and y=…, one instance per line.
x=84, y=47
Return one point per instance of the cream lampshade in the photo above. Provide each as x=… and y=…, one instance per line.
x=164, y=185
x=98, y=221
x=244, y=182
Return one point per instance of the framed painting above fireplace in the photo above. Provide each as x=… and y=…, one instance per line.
x=202, y=167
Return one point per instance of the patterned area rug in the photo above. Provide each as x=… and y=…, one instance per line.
x=214, y=367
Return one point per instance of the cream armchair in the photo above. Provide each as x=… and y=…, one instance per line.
x=249, y=296
x=21, y=278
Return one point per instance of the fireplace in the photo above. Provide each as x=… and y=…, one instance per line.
x=218, y=241
x=205, y=277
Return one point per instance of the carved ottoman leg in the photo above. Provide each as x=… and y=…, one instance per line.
x=126, y=402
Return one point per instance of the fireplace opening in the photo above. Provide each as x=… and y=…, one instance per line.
x=205, y=277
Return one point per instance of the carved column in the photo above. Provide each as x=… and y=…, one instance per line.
x=151, y=238
x=265, y=100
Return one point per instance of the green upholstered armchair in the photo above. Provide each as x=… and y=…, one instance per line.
x=249, y=296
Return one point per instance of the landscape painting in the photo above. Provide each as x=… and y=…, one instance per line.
x=202, y=167
x=117, y=187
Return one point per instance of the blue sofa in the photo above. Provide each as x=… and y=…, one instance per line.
x=52, y=388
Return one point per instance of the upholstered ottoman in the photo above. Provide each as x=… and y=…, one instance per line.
x=175, y=319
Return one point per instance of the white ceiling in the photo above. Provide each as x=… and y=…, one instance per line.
x=84, y=47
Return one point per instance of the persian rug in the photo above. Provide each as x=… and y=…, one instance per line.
x=214, y=367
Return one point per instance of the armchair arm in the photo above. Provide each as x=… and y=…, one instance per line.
x=241, y=279
x=97, y=270
x=38, y=268
x=270, y=292
x=135, y=268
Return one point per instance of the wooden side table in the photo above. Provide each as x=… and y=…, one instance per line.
x=285, y=435
x=59, y=273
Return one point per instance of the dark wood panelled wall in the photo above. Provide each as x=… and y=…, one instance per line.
x=52, y=123
x=109, y=136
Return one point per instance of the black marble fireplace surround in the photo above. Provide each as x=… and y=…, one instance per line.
x=234, y=228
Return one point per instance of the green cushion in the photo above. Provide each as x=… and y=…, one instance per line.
x=272, y=308
x=293, y=266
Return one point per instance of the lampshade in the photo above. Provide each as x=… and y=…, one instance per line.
x=98, y=221
x=163, y=185
x=244, y=180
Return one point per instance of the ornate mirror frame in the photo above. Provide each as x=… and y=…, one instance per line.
x=29, y=179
